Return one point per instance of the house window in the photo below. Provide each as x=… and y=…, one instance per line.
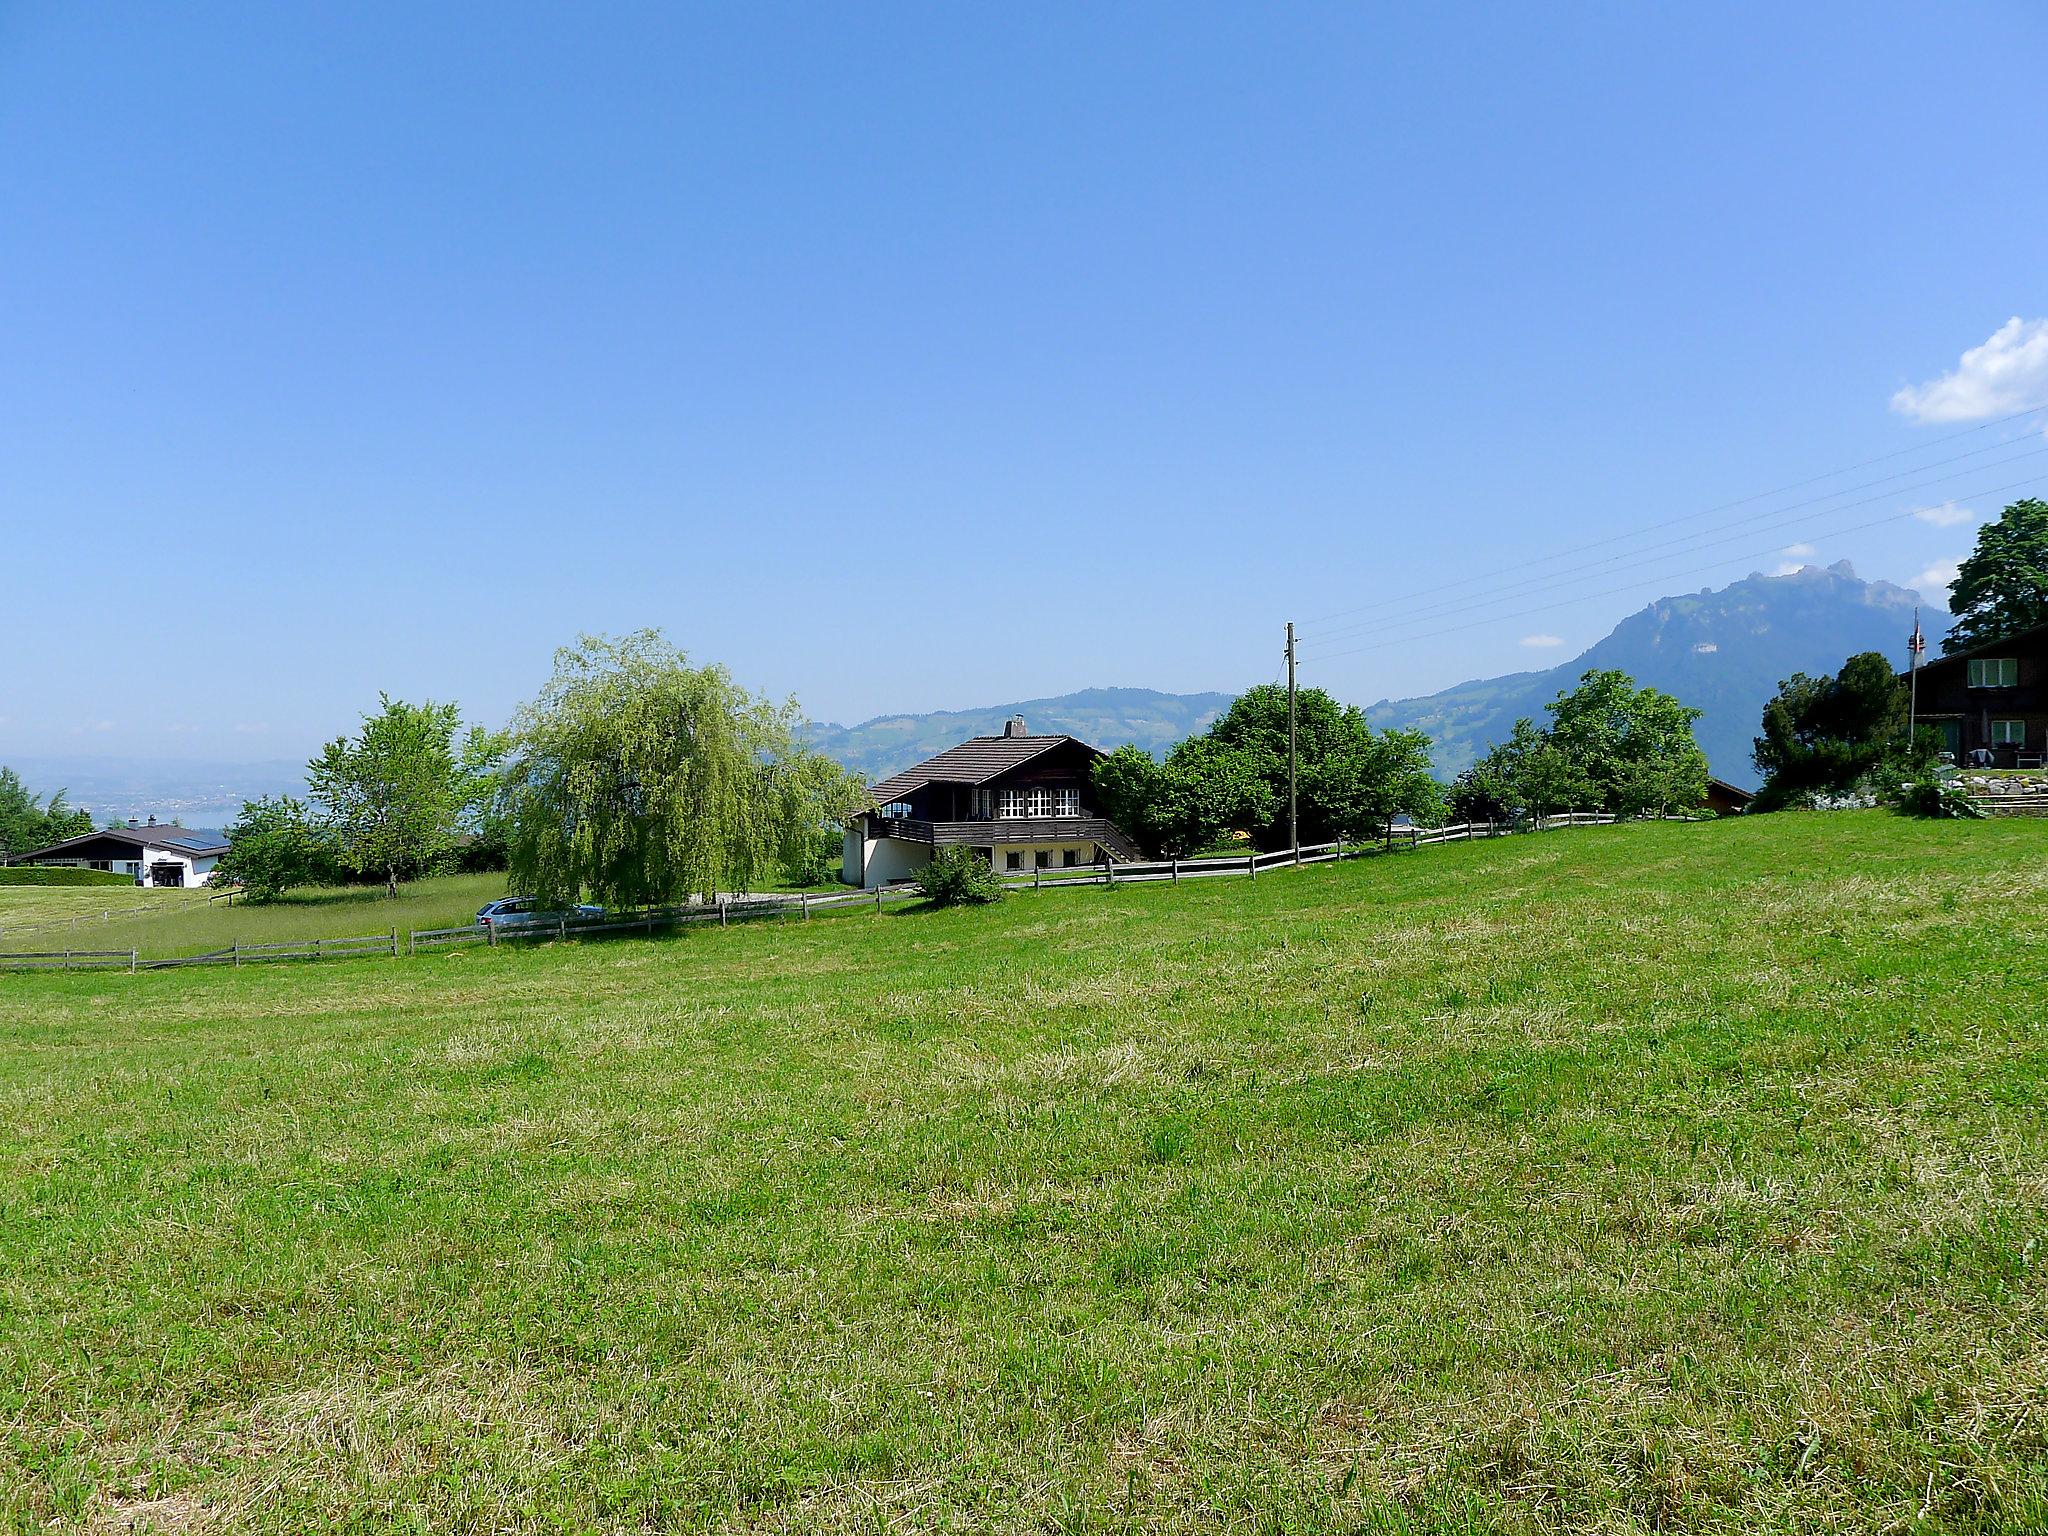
x=1041, y=800
x=1068, y=801
x=1010, y=804
x=1014, y=859
x=1995, y=672
x=1045, y=858
x=2008, y=733
x=896, y=808
x=1070, y=857
x=983, y=804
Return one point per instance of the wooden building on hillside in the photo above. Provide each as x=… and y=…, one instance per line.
x=1022, y=801
x=1990, y=703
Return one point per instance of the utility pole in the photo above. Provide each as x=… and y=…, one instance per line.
x=1293, y=803
x=1916, y=645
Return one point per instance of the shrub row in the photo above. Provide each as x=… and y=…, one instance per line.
x=36, y=874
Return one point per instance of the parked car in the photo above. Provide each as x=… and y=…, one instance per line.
x=518, y=911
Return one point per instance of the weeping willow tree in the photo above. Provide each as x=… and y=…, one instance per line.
x=638, y=779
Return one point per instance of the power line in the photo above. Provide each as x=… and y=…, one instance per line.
x=1689, y=544
x=1411, y=639
x=1725, y=506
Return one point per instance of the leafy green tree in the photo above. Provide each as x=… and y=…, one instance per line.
x=2002, y=588
x=274, y=846
x=1207, y=788
x=1634, y=746
x=483, y=817
x=1130, y=788
x=27, y=823
x=1529, y=771
x=1350, y=779
x=638, y=779
x=1825, y=735
x=389, y=796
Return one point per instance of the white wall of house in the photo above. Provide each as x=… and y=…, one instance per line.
x=196, y=871
x=1027, y=856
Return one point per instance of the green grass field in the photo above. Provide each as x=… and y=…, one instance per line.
x=188, y=927
x=1652, y=1178
x=39, y=905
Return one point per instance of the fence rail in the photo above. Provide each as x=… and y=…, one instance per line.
x=727, y=910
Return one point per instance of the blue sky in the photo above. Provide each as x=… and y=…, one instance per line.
x=918, y=357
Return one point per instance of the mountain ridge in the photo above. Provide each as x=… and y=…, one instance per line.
x=1722, y=650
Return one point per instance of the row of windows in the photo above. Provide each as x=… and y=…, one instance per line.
x=1069, y=857
x=1037, y=800
x=1995, y=672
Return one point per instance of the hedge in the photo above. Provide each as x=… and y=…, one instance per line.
x=37, y=874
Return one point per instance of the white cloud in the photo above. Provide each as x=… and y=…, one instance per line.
x=1790, y=568
x=1947, y=515
x=1934, y=582
x=1800, y=551
x=1542, y=642
x=2008, y=373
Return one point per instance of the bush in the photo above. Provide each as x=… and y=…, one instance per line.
x=960, y=877
x=37, y=874
x=1940, y=798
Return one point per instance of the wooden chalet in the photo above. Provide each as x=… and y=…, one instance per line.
x=1020, y=800
x=1990, y=703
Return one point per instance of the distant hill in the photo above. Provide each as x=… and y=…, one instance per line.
x=1103, y=717
x=1722, y=651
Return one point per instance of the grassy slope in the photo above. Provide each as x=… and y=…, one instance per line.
x=189, y=928
x=60, y=903
x=1652, y=1178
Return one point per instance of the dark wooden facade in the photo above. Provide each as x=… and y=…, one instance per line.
x=996, y=794
x=1990, y=701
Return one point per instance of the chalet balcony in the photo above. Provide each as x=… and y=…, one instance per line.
x=991, y=831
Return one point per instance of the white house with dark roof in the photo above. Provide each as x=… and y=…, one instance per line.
x=154, y=855
x=1024, y=802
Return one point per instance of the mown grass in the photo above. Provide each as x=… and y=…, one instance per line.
x=1658, y=1178
x=317, y=912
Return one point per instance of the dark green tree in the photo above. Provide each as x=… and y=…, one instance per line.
x=1350, y=779
x=1826, y=735
x=2002, y=588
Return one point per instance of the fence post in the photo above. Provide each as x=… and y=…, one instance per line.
x=1176, y=869
x=1251, y=863
x=490, y=935
x=1340, y=849
x=131, y=962
x=878, y=901
x=394, y=943
x=1108, y=870
x=803, y=900
x=67, y=959
x=562, y=928
x=316, y=949
x=721, y=911
x=236, y=963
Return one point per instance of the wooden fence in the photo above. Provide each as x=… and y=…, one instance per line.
x=741, y=909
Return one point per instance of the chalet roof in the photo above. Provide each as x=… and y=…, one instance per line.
x=193, y=844
x=2037, y=636
x=973, y=762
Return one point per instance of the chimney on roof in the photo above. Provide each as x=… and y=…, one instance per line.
x=1014, y=726
x=152, y=818
x=133, y=823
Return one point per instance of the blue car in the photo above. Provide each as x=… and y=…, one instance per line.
x=519, y=911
